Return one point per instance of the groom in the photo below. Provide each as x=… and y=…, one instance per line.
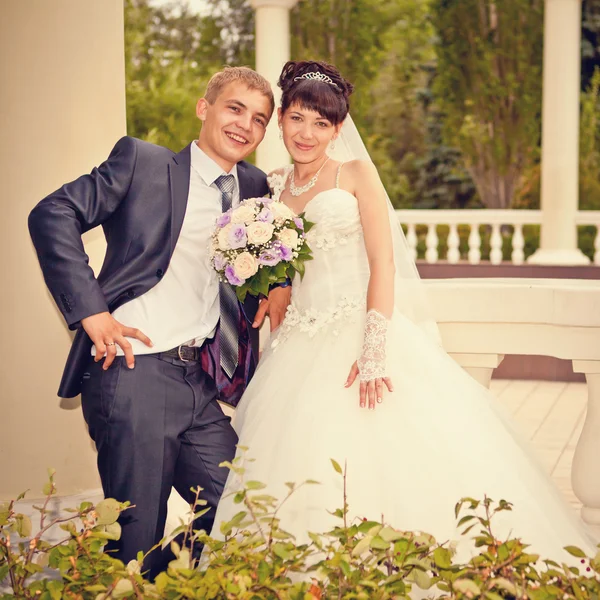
x=159, y=339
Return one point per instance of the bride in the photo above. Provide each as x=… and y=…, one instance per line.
x=356, y=372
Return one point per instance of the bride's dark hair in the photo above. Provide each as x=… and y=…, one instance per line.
x=329, y=100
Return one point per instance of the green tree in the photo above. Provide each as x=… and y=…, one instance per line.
x=169, y=54
x=418, y=169
x=489, y=88
x=350, y=34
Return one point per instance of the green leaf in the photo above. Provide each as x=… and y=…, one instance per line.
x=23, y=525
x=506, y=585
x=241, y=291
x=281, y=551
x=108, y=511
x=262, y=571
x=255, y=485
x=467, y=587
x=55, y=588
x=3, y=572
x=113, y=531
x=124, y=587
x=442, y=558
x=362, y=546
x=48, y=489
x=299, y=266
x=336, y=466
x=378, y=543
x=391, y=535
x=575, y=551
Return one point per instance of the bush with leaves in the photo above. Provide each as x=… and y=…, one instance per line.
x=257, y=559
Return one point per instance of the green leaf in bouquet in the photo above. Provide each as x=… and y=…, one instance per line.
x=299, y=266
x=308, y=225
x=241, y=291
x=280, y=271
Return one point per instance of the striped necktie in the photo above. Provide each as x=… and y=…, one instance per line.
x=228, y=302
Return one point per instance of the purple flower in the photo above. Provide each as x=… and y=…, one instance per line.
x=269, y=258
x=224, y=219
x=284, y=252
x=266, y=216
x=232, y=277
x=219, y=261
x=267, y=200
x=299, y=223
x=237, y=237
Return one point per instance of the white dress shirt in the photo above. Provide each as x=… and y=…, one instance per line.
x=183, y=307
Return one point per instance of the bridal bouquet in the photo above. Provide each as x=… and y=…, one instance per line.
x=258, y=243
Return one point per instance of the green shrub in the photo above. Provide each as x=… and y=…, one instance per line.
x=258, y=560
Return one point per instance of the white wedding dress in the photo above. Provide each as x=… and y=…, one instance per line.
x=438, y=437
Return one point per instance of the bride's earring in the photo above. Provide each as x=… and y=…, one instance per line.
x=332, y=144
x=281, y=133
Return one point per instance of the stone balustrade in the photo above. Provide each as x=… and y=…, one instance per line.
x=496, y=220
x=482, y=320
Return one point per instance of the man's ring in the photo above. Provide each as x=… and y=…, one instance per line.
x=110, y=343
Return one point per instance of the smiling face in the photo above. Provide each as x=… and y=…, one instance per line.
x=306, y=133
x=234, y=124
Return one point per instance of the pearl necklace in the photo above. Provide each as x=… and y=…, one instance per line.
x=296, y=191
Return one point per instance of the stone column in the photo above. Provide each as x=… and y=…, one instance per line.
x=585, y=473
x=272, y=52
x=63, y=108
x=560, y=135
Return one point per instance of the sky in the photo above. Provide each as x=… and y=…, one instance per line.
x=196, y=5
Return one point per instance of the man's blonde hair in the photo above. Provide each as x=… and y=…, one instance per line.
x=245, y=75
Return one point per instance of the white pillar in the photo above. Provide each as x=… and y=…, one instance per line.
x=560, y=135
x=272, y=52
x=62, y=69
x=585, y=471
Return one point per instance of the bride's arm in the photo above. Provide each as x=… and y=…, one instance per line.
x=374, y=216
x=362, y=179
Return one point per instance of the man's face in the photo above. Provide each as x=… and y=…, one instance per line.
x=234, y=125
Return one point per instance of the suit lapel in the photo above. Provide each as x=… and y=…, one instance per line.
x=179, y=181
x=246, y=183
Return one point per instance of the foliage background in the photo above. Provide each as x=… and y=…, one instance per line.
x=428, y=93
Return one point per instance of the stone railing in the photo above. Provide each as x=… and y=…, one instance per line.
x=495, y=220
x=482, y=320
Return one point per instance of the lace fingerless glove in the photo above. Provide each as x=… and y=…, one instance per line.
x=371, y=364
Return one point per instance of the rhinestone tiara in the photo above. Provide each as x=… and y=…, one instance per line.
x=317, y=76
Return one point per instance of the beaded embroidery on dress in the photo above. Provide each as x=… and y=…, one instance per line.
x=438, y=437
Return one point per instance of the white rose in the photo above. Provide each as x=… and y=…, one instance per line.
x=222, y=237
x=242, y=214
x=259, y=232
x=245, y=265
x=281, y=211
x=289, y=237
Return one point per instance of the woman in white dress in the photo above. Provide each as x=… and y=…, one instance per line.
x=354, y=374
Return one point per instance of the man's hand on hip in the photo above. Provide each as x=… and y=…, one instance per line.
x=107, y=333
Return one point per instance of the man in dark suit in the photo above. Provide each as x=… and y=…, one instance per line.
x=159, y=339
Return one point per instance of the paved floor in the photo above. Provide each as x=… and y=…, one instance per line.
x=551, y=415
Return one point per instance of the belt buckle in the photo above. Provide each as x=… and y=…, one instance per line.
x=181, y=357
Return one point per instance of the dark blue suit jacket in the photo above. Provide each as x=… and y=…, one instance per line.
x=138, y=196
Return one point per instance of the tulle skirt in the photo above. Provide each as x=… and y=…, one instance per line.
x=438, y=437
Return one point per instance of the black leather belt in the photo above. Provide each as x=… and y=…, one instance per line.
x=185, y=353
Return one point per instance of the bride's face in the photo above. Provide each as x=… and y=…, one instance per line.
x=306, y=133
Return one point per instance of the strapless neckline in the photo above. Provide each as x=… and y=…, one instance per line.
x=321, y=193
